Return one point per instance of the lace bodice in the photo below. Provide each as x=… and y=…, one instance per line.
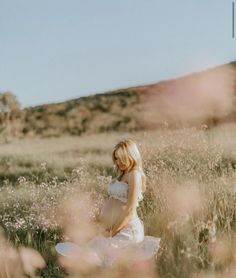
x=119, y=190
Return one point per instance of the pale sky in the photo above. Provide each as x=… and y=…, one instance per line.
x=53, y=50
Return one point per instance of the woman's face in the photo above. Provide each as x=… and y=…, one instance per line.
x=119, y=163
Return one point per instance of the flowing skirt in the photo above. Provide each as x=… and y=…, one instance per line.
x=130, y=239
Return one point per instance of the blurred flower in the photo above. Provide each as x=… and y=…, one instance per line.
x=31, y=260
x=221, y=251
x=14, y=263
x=184, y=200
x=74, y=217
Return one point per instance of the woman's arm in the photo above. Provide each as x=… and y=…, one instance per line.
x=135, y=181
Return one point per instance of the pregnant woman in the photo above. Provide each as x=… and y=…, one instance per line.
x=123, y=229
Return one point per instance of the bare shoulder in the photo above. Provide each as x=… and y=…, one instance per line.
x=134, y=174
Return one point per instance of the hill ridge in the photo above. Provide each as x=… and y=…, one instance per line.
x=193, y=99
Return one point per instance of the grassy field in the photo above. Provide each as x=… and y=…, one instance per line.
x=190, y=200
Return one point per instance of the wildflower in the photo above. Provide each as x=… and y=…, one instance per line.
x=21, y=180
x=43, y=166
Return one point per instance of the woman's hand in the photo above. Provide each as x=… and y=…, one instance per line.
x=107, y=233
x=113, y=231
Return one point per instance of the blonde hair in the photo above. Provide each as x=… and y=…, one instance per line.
x=129, y=155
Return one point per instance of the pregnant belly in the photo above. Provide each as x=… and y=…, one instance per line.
x=111, y=213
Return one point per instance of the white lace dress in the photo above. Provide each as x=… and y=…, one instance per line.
x=131, y=237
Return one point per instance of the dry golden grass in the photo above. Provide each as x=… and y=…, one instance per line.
x=190, y=200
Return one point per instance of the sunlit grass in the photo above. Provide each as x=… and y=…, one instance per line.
x=190, y=200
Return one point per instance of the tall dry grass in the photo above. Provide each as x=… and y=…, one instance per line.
x=189, y=202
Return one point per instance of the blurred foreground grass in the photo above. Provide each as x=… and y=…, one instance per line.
x=190, y=200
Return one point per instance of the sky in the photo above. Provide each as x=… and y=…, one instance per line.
x=54, y=50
